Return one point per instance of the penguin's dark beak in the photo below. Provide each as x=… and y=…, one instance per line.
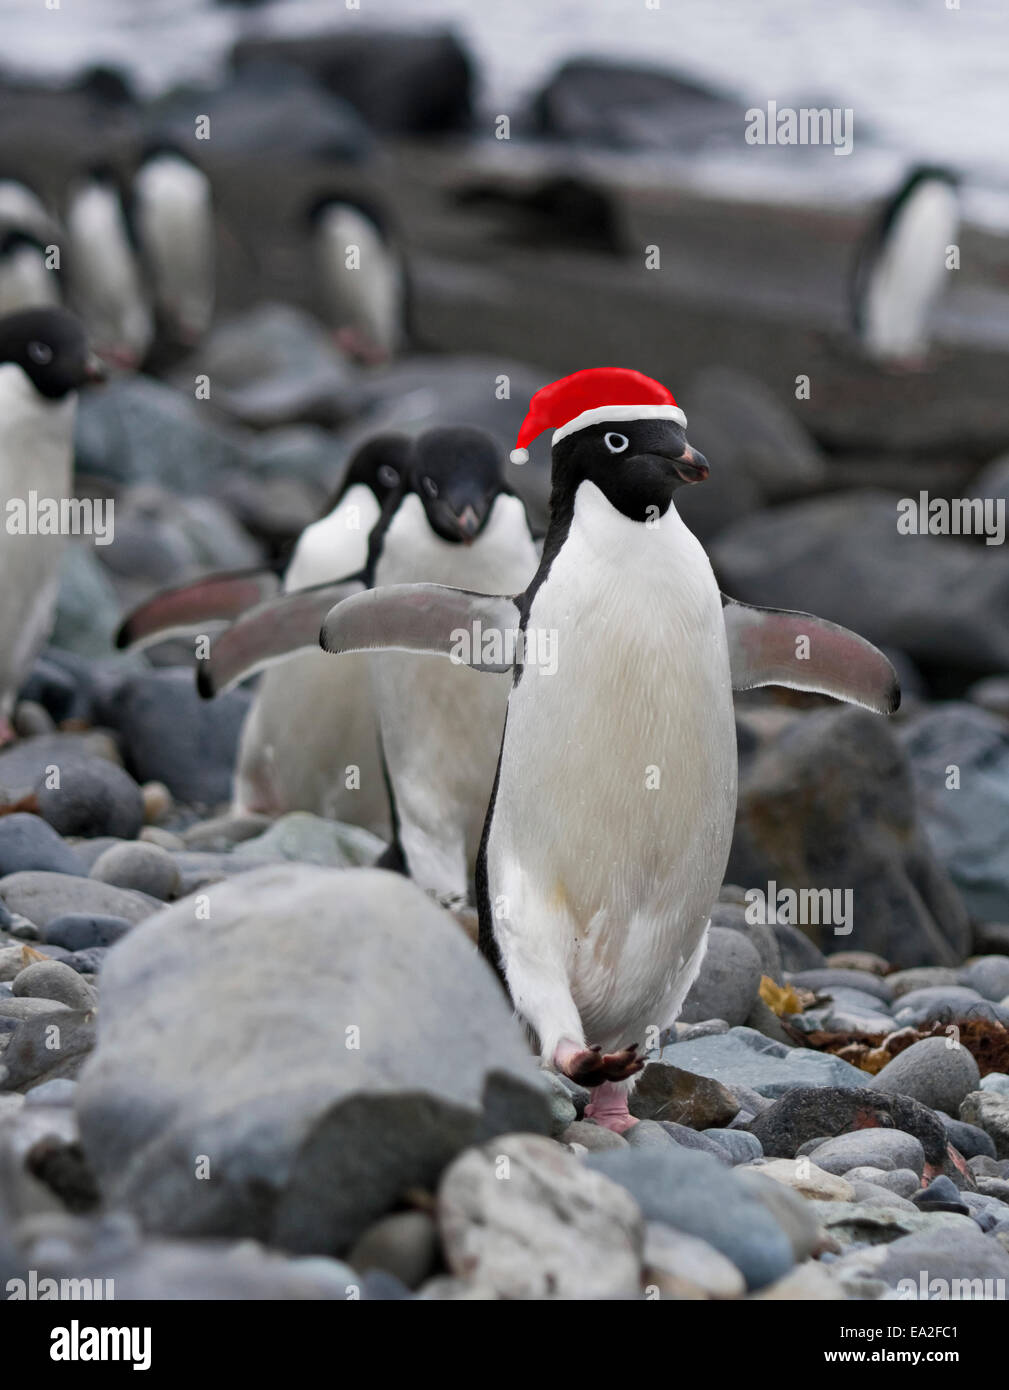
x=94, y=368
x=467, y=521
x=691, y=466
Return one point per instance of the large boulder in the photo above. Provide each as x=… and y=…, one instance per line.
x=286, y=1063
x=940, y=599
x=960, y=764
x=826, y=802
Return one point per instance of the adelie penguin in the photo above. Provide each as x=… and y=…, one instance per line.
x=363, y=275
x=310, y=740
x=172, y=211
x=610, y=822
x=902, y=266
x=44, y=360
x=104, y=271
x=455, y=521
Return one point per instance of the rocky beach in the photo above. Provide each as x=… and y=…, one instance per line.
x=239, y=1061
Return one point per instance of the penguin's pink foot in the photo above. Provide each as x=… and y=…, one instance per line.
x=7, y=734
x=608, y=1108
x=591, y=1066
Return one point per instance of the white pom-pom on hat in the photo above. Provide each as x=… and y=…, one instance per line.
x=519, y=456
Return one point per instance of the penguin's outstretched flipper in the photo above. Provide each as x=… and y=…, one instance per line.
x=772, y=646
x=178, y=611
x=270, y=632
x=476, y=630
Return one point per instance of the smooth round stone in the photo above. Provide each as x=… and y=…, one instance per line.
x=995, y=1081
x=932, y=1072
x=808, y=1179
x=946, y=1004
x=29, y=842
x=21, y=1009
x=158, y=802
x=592, y=1137
x=77, y=931
x=968, y=1140
x=918, y=977
x=728, y=981
x=684, y=1266
x=32, y=720
x=873, y=1148
x=904, y=1182
x=60, y=1091
x=167, y=839
x=941, y=1195
x=740, y=1146
x=52, y=980
x=877, y=1196
x=143, y=867
x=826, y=980
x=858, y=960
x=93, y=798
x=404, y=1244
x=989, y=975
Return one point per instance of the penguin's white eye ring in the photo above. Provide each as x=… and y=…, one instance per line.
x=387, y=475
x=430, y=486
x=40, y=353
x=616, y=443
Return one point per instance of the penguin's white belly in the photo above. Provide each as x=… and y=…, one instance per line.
x=310, y=740
x=616, y=800
x=310, y=743
x=441, y=723
x=909, y=276
x=35, y=454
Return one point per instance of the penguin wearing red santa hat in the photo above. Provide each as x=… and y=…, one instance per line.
x=612, y=814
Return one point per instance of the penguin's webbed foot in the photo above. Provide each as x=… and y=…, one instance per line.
x=591, y=1066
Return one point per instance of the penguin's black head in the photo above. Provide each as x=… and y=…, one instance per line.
x=50, y=347
x=457, y=474
x=636, y=464
x=383, y=464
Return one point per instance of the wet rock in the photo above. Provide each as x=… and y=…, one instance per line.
x=93, y=798
x=28, y=842
x=400, y=82
x=967, y=825
x=728, y=981
x=144, y=868
x=204, y=1050
x=931, y=1072
x=695, y=1194
x=404, y=1244
x=682, y=1267
x=937, y=598
x=888, y=1149
x=47, y=1047
x=989, y=1111
x=51, y=979
x=815, y=1114
x=946, y=1004
x=828, y=805
x=77, y=931
x=770, y=1068
x=45, y=897
x=171, y=735
x=809, y=1179
x=311, y=840
x=666, y=1092
x=555, y=1228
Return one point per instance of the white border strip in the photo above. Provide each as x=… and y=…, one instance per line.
x=599, y=413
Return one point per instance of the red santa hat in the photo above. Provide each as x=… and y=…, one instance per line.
x=587, y=397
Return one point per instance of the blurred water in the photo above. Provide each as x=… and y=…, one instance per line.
x=923, y=80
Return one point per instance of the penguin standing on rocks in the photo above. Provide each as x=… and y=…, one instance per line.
x=611, y=818
x=455, y=521
x=173, y=213
x=363, y=278
x=103, y=266
x=280, y=766
x=43, y=362
x=901, y=267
